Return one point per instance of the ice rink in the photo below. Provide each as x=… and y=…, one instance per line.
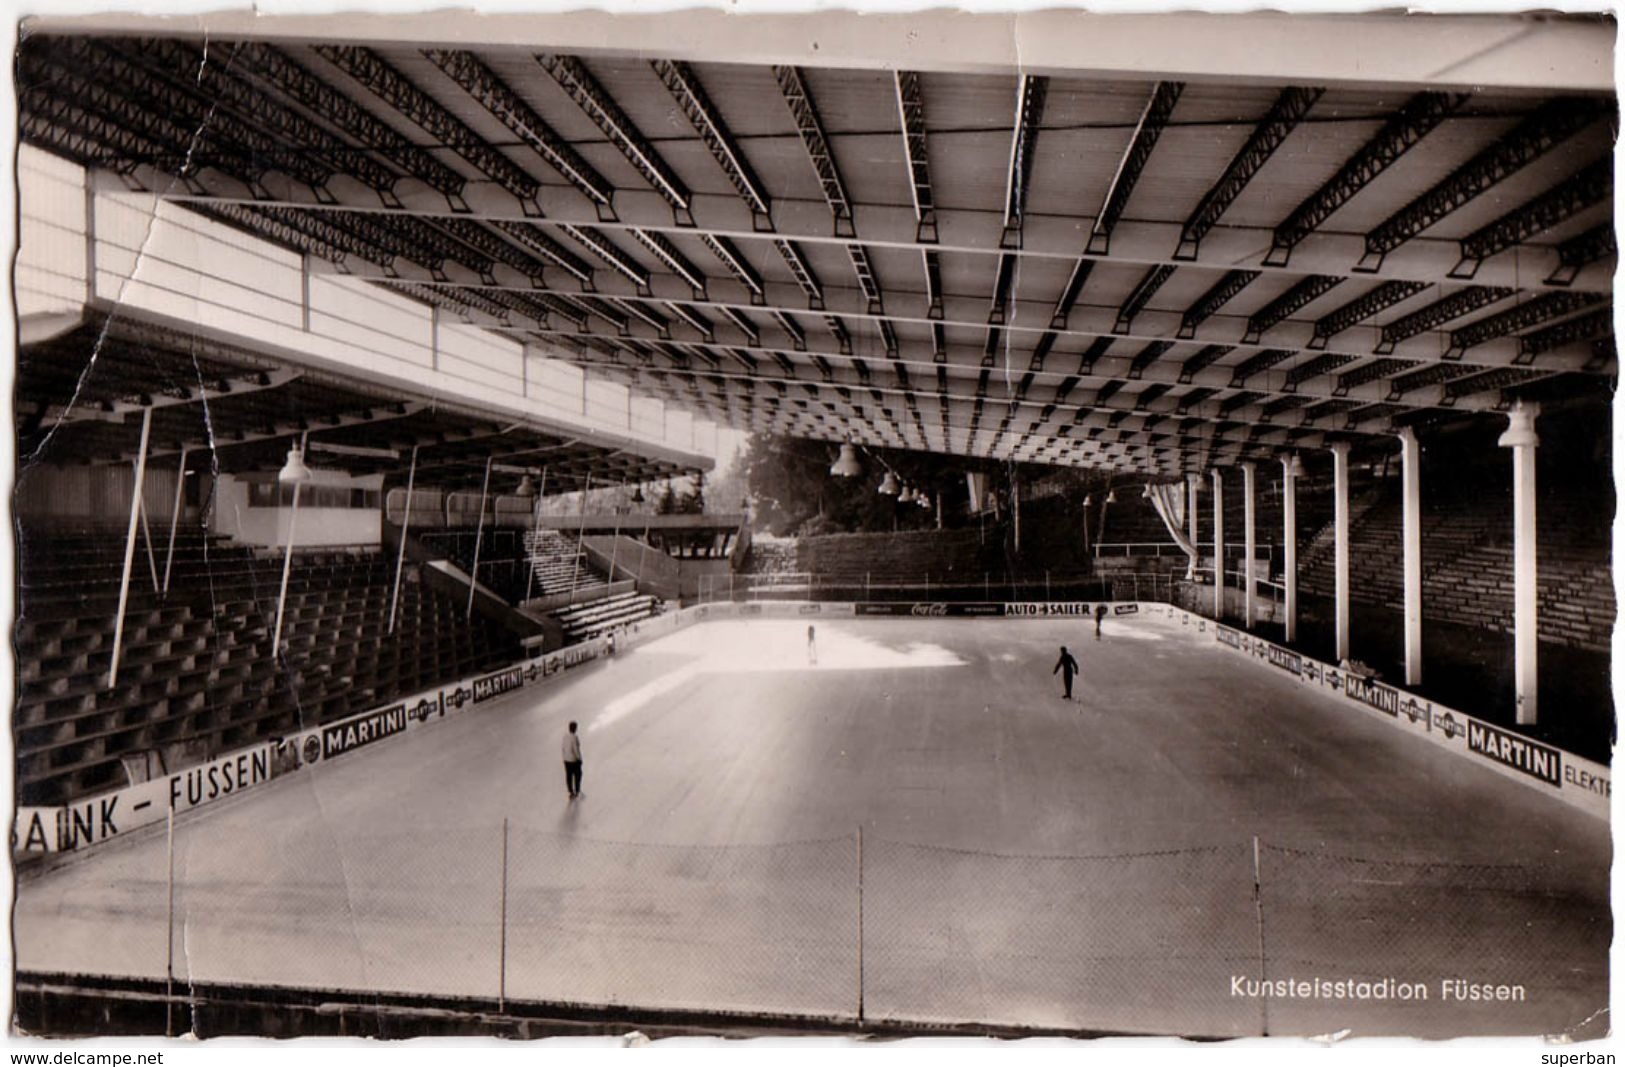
x=1114, y=863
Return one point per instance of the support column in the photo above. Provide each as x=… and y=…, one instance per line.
x=406, y=525
x=1410, y=479
x=1291, y=467
x=535, y=527
x=581, y=535
x=175, y=518
x=1340, y=533
x=129, y=546
x=1193, y=482
x=296, y=474
x=1015, y=510
x=479, y=539
x=1522, y=439
x=1218, y=544
x=1250, y=540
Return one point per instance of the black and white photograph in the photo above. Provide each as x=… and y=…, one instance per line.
x=835, y=524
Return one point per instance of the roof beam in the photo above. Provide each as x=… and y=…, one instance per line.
x=911, y=109
x=1591, y=186
x=493, y=94
x=112, y=94
x=374, y=413
x=1146, y=132
x=1592, y=246
x=192, y=70
x=580, y=86
x=533, y=239
x=1526, y=315
x=383, y=81
x=598, y=244
x=1284, y=114
x=1357, y=311
x=1550, y=125
x=690, y=95
x=798, y=98
x=1088, y=323
x=1237, y=418
x=1144, y=290
x=1030, y=92
x=320, y=98
x=962, y=231
x=1295, y=299
x=1436, y=314
x=966, y=372
x=1222, y=292
x=1415, y=120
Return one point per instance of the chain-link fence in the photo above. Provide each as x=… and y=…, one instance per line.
x=1226, y=940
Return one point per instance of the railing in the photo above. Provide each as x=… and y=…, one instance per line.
x=1264, y=550
x=984, y=586
x=859, y=927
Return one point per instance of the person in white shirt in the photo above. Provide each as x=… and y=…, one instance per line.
x=572, y=762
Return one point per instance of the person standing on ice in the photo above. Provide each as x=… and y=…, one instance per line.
x=572, y=762
x=812, y=646
x=1100, y=617
x=1067, y=666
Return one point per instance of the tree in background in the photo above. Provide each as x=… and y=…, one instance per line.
x=793, y=493
x=693, y=501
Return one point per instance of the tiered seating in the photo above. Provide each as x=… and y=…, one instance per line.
x=1130, y=520
x=1467, y=561
x=560, y=566
x=502, y=562
x=936, y=556
x=197, y=676
x=772, y=557
x=594, y=617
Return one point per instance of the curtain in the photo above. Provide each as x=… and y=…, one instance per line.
x=1169, y=500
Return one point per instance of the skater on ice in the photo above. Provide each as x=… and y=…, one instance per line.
x=1067, y=666
x=572, y=762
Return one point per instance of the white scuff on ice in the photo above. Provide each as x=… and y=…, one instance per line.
x=768, y=646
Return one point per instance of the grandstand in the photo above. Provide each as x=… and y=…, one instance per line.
x=354, y=355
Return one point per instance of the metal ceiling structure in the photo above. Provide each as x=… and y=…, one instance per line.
x=1076, y=268
x=238, y=409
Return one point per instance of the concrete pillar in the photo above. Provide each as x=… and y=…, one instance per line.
x=1340, y=531
x=1218, y=544
x=1291, y=467
x=1250, y=541
x=1193, y=482
x=1522, y=439
x=1410, y=479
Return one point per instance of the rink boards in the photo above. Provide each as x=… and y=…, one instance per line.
x=1581, y=783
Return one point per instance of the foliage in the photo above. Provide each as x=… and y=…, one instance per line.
x=793, y=493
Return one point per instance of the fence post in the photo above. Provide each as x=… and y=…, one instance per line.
x=1046, y=585
x=860, y=923
x=1258, y=906
x=502, y=951
x=169, y=929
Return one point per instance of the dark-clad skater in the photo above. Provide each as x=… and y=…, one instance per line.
x=572, y=762
x=1100, y=617
x=1068, y=667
